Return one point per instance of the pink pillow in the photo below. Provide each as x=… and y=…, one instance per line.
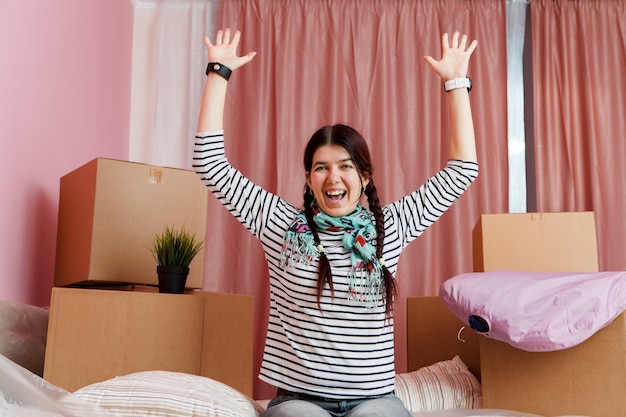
x=536, y=311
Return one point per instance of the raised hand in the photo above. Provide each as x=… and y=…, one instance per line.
x=224, y=50
x=455, y=57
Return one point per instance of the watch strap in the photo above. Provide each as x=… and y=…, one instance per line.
x=455, y=83
x=221, y=69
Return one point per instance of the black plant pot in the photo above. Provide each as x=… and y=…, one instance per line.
x=172, y=279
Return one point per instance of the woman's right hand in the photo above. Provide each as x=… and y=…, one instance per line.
x=224, y=50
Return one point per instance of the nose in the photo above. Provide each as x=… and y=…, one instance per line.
x=333, y=175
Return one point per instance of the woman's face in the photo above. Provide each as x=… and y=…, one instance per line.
x=335, y=181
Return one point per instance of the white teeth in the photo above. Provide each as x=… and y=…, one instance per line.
x=334, y=193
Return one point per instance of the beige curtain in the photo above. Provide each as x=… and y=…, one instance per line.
x=579, y=88
x=359, y=62
x=167, y=78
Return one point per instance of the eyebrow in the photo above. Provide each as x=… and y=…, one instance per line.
x=326, y=163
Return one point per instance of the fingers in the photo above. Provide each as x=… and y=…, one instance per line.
x=455, y=40
x=226, y=38
x=472, y=46
x=455, y=55
x=458, y=41
x=236, y=37
x=463, y=43
x=223, y=37
x=430, y=61
x=224, y=49
x=444, y=41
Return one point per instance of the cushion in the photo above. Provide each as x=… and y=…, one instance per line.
x=442, y=386
x=536, y=311
x=23, y=332
x=165, y=393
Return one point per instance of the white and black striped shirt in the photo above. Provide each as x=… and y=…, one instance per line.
x=345, y=349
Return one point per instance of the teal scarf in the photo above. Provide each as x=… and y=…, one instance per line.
x=364, y=279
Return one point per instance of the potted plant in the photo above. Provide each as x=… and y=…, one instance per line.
x=174, y=249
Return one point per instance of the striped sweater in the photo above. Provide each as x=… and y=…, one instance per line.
x=345, y=349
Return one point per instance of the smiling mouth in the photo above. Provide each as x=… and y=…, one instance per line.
x=335, y=195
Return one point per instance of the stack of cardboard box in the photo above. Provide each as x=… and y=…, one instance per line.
x=588, y=379
x=109, y=210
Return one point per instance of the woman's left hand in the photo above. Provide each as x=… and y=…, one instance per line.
x=455, y=57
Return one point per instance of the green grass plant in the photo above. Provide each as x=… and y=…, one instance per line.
x=175, y=247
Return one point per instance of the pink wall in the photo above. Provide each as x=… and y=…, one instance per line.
x=65, y=74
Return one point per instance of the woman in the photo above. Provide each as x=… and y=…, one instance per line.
x=329, y=345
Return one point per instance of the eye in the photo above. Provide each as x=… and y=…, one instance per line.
x=320, y=168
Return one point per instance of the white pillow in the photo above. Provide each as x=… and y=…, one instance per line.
x=165, y=394
x=442, y=386
x=23, y=332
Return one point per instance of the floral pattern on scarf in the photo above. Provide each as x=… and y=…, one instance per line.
x=364, y=279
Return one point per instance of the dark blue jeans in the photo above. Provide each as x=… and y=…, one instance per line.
x=293, y=404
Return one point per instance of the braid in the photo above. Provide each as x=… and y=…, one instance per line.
x=354, y=144
x=324, y=274
x=389, y=288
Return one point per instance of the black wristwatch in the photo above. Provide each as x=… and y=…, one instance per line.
x=221, y=69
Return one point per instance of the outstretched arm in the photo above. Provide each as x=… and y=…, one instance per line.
x=224, y=51
x=453, y=64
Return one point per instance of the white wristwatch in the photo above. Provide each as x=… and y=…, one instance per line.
x=458, y=83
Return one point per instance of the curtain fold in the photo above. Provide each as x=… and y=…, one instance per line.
x=360, y=63
x=579, y=56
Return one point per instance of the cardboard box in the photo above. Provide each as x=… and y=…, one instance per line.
x=109, y=210
x=95, y=335
x=564, y=242
x=587, y=379
x=434, y=334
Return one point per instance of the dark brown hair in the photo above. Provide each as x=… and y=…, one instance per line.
x=355, y=145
